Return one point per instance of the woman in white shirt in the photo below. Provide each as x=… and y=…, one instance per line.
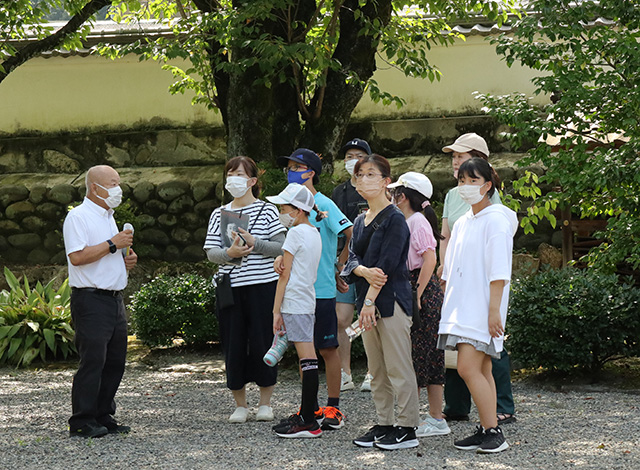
x=477, y=272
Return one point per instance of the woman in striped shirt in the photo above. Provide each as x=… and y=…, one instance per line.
x=246, y=326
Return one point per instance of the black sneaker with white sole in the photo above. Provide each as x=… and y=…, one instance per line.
x=472, y=442
x=374, y=434
x=493, y=441
x=400, y=438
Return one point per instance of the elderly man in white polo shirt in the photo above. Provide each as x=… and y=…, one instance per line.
x=97, y=275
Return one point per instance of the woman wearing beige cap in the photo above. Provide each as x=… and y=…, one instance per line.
x=456, y=393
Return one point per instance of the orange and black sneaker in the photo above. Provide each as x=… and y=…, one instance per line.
x=333, y=418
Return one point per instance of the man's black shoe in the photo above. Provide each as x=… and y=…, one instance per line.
x=115, y=428
x=89, y=430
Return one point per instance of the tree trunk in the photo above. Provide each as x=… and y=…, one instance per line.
x=357, y=54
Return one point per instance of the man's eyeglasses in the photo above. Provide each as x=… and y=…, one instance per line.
x=295, y=169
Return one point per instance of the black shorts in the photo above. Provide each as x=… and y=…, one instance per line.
x=326, y=330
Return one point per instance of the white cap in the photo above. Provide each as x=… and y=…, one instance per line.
x=417, y=181
x=466, y=142
x=296, y=195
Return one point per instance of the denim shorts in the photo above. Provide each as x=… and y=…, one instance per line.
x=348, y=297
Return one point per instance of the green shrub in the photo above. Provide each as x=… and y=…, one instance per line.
x=34, y=322
x=172, y=307
x=562, y=319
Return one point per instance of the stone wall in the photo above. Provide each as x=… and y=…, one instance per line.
x=172, y=181
x=169, y=207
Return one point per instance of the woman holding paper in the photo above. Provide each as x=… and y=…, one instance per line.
x=246, y=271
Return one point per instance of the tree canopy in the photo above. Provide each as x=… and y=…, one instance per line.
x=588, y=58
x=282, y=73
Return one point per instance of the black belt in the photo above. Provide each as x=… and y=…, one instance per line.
x=93, y=290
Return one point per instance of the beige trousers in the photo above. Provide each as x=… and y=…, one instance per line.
x=388, y=348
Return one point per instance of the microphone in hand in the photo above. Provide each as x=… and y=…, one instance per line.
x=127, y=226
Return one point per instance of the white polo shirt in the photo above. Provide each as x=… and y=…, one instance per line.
x=89, y=225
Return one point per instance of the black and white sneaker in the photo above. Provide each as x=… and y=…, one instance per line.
x=472, y=442
x=374, y=434
x=400, y=438
x=493, y=442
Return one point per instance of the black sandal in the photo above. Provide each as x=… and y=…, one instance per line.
x=455, y=417
x=506, y=418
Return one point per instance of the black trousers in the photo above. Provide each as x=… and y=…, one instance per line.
x=246, y=333
x=101, y=340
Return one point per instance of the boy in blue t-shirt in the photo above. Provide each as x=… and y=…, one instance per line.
x=303, y=166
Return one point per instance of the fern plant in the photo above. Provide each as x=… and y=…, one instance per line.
x=34, y=322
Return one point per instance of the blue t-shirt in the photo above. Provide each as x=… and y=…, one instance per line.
x=329, y=228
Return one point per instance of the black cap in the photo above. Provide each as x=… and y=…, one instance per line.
x=356, y=144
x=306, y=157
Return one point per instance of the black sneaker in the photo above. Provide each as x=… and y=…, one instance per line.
x=298, y=429
x=401, y=437
x=472, y=442
x=493, y=442
x=374, y=434
x=296, y=418
x=89, y=430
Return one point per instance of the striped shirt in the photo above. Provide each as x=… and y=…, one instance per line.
x=256, y=268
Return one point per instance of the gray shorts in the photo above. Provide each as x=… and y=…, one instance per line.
x=451, y=342
x=299, y=326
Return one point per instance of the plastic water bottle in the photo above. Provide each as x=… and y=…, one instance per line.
x=355, y=330
x=277, y=350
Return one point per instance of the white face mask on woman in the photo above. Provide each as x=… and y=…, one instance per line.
x=114, y=198
x=470, y=193
x=237, y=185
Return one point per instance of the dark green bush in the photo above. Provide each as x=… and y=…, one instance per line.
x=568, y=318
x=172, y=307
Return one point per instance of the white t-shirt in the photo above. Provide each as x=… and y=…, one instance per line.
x=304, y=243
x=479, y=251
x=87, y=225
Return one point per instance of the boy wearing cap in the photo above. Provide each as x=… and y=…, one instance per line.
x=352, y=204
x=303, y=166
x=295, y=301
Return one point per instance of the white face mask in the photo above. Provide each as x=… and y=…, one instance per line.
x=350, y=165
x=237, y=185
x=470, y=193
x=114, y=198
x=287, y=220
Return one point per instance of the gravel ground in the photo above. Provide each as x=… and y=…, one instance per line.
x=178, y=412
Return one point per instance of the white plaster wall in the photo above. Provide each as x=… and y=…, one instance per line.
x=72, y=93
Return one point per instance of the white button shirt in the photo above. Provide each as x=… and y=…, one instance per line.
x=89, y=225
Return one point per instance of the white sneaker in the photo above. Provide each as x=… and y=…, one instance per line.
x=432, y=427
x=265, y=413
x=366, y=383
x=347, y=382
x=240, y=415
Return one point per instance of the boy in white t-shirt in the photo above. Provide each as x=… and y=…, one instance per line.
x=295, y=302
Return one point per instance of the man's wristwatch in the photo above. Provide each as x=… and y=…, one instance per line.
x=112, y=247
x=368, y=302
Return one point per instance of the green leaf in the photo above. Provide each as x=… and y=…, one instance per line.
x=50, y=338
x=13, y=347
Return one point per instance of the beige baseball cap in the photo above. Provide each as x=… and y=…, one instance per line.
x=413, y=180
x=466, y=142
